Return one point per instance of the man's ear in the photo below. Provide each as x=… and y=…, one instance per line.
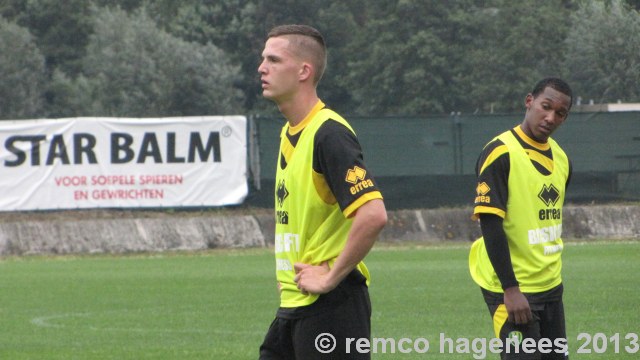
x=528, y=100
x=306, y=72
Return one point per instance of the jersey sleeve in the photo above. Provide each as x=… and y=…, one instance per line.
x=339, y=162
x=497, y=245
x=492, y=170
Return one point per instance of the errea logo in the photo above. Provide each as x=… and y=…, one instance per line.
x=549, y=195
x=357, y=176
x=481, y=191
x=281, y=193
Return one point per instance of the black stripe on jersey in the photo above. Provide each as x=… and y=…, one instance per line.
x=293, y=139
x=283, y=162
x=493, y=168
x=487, y=152
x=545, y=153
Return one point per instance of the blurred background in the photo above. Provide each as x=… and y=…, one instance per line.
x=425, y=83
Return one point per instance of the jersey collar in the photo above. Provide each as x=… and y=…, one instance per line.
x=530, y=141
x=307, y=119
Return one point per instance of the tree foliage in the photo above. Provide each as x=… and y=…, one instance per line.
x=407, y=56
x=140, y=70
x=603, y=52
x=396, y=57
x=22, y=72
x=61, y=30
x=514, y=46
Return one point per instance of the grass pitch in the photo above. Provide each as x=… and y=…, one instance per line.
x=219, y=304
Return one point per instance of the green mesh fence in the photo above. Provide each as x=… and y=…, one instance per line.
x=426, y=162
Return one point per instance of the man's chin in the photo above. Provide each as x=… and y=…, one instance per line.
x=267, y=95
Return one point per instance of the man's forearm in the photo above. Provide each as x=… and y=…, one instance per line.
x=368, y=221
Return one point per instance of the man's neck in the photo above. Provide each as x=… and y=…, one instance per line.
x=298, y=108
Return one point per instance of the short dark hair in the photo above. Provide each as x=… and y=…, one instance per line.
x=316, y=48
x=554, y=83
x=295, y=29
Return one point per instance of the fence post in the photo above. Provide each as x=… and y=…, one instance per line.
x=254, y=151
x=456, y=125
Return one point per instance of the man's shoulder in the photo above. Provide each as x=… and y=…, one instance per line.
x=332, y=124
x=328, y=115
x=494, y=149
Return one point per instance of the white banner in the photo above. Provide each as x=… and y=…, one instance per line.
x=123, y=162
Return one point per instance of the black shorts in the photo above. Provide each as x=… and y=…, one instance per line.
x=546, y=333
x=322, y=329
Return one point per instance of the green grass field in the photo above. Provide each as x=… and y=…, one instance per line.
x=218, y=304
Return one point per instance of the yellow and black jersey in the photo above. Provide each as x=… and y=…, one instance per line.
x=321, y=180
x=338, y=164
x=492, y=171
x=523, y=183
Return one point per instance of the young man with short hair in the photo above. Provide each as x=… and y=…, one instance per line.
x=328, y=207
x=522, y=178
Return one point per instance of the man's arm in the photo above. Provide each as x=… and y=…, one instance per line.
x=368, y=221
x=495, y=241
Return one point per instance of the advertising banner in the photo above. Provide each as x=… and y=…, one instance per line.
x=123, y=162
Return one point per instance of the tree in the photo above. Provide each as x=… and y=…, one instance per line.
x=602, y=52
x=634, y=4
x=405, y=57
x=135, y=69
x=61, y=30
x=126, y=5
x=239, y=27
x=22, y=72
x=434, y=57
x=71, y=97
x=511, y=47
x=398, y=57
x=230, y=25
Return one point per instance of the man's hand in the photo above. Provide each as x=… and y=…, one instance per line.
x=313, y=279
x=368, y=221
x=517, y=305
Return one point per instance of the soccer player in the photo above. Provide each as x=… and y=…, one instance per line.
x=522, y=178
x=328, y=209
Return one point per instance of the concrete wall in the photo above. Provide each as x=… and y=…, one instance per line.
x=125, y=235
x=579, y=223
x=134, y=231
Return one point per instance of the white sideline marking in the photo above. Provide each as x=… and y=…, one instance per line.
x=45, y=321
x=421, y=224
x=49, y=321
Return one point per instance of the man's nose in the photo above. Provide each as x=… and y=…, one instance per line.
x=553, y=117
